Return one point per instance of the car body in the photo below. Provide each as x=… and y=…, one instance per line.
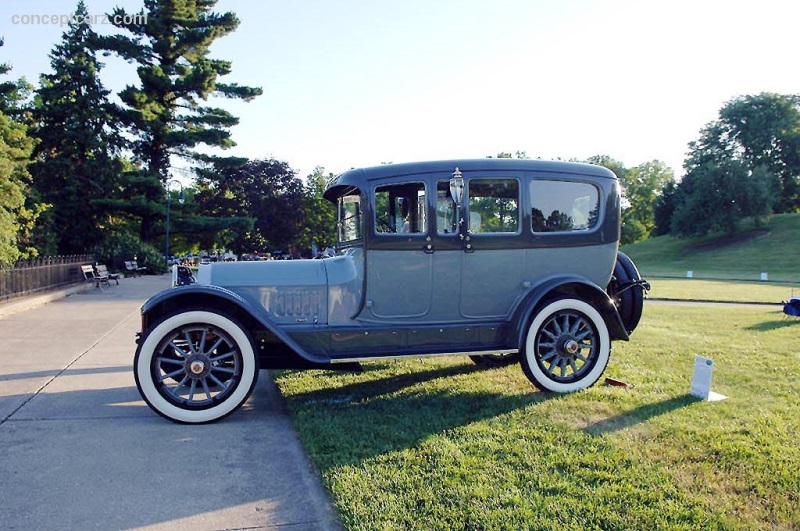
x=497, y=259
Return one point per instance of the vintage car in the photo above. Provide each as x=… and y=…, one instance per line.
x=496, y=259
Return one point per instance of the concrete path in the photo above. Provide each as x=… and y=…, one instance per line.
x=79, y=449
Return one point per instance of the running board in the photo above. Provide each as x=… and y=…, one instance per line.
x=398, y=356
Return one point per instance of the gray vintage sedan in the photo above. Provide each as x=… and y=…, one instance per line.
x=496, y=259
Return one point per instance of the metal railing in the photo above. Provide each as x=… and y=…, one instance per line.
x=41, y=274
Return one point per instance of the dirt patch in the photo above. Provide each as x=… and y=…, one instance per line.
x=727, y=241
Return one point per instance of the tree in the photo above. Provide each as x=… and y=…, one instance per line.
x=15, y=218
x=643, y=186
x=744, y=164
x=13, y=94
x=612, y=164
x=713, y=197
x=18, y=205
x=641, y=189
x=77, y=168
x=169, y=41
x=761, y=131
x=266, y=192
x=319, y=219
x=664, y=209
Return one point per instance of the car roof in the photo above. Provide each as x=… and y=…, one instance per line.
x=357, y=178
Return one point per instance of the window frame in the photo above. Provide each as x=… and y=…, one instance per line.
x=359, y=215
x=422, y=208
x=520, y=204
x=561, y=233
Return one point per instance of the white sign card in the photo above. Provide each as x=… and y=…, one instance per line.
x=701, y=380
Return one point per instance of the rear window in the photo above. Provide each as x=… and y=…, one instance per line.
x=563, y=206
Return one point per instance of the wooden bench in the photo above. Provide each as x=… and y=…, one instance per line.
x=132, y=267
x=90, y=275
x=103, y=272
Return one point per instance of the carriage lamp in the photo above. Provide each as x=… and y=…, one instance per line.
x=457, y=192
x=457, y=187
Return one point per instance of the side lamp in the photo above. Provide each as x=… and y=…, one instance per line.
x=457, y=193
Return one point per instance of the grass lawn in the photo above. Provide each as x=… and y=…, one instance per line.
x=776, y=251
x=439, y=443
x=720, y=290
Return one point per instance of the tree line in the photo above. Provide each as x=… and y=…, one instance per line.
x=82, y=170
x=745, y=164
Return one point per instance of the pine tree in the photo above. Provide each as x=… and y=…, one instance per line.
x=15, y=218
x=76, y=169
x=18, y=205
x=13, y=94
x=169, y=41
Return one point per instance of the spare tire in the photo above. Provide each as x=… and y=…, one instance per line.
x=627, y=289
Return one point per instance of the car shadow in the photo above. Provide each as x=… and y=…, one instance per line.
x=369, y=419
x=640, y=414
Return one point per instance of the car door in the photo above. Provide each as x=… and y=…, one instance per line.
x=493, y=264
x=479, y=269
x=399, y=261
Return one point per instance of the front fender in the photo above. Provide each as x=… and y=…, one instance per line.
x=177, y=299
x=566, y=286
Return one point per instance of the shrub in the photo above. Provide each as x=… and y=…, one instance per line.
x=121, y=247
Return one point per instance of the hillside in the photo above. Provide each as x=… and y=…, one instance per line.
x=773, y=248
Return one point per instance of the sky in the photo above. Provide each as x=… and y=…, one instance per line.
x=352, y=83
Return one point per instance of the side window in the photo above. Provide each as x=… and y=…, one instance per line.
x=401, y=209
x=563, y=206
x=493, y=205
x=349, y=218
x=445, y=209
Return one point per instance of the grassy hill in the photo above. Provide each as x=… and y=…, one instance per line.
x=773, y=248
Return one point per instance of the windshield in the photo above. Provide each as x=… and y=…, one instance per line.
x=350, y=222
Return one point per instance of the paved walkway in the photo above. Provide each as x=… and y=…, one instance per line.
x=79, y=449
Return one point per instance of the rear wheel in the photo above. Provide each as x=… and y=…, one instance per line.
x=567, y=347
x=196, y=366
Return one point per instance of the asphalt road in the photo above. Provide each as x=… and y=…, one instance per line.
x=79, y=449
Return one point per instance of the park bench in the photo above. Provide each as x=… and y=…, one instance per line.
x=133, y=267
x=90, y=275
x=103, y=272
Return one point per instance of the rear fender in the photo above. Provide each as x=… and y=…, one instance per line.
x=572, y=286
x=177, y=299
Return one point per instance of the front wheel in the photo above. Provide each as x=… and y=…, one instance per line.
x=195, y=367
x=567, y=347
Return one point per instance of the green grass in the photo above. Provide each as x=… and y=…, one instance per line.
x=722, y=291
x=439, y=443
x=777, y=254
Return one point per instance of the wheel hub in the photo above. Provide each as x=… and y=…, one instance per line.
x=571, y=346
x=197, y=366
x=567, y=346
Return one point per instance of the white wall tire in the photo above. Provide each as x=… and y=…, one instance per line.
x=195, y=367
x=567, y=347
